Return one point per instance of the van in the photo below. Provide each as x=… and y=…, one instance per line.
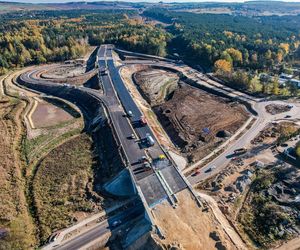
x=150, y=140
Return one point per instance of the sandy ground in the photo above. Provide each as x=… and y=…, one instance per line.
x=189, y=226
x=46, y=115
x=180, y=161
x=290, y=245
x=230, y=231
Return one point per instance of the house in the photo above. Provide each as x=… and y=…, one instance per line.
x=295, y=82
x=285, y=76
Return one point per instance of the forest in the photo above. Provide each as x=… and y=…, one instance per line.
x=255, y=43
x=51, y=36
x=237, y=48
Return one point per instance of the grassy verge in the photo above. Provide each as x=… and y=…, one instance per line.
x=61, y=185
x=15, y=220
x=34, y=149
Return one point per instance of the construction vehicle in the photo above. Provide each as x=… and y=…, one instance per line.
x=146, y=165
x=143, y=159
x=132, y=136
x=162, y=157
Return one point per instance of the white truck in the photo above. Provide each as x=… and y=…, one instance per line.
x=150, y=140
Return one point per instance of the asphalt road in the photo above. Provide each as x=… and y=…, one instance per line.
x=102, y=229
x=258, y=104
x=149, y=184
x=263, y=119
x=89, y=101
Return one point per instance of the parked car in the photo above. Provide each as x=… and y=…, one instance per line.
x=210, y=169
x=116, y=223
x=197, y=172
x=132, y=136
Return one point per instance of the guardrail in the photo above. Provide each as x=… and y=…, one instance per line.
x=144, y=55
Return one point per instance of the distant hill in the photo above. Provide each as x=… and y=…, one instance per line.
x=9, y=6
x=248, y=8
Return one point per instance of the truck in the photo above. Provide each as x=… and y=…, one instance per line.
x=103, y=71
x=149, y=140
x=147, y=165
x=240, y=151
x=143, y=121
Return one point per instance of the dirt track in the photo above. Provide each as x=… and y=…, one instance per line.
x=233, y=235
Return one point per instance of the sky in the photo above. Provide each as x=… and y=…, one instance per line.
x=65, y=1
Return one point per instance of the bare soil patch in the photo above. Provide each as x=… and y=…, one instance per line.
x=157, y=85
x=257, y=191
x=195, y=120
x=49, y=114
x=65, y=71
x=144, y=106
x=189, y=227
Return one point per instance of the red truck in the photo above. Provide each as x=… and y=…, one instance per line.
x=143, y=121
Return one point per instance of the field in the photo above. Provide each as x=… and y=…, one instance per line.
x=192, y=117
x=14, y=216
x=62, y=186
x=8, y=7
x=21, y=148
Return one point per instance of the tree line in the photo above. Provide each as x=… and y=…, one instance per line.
x=236, y=48
x=51, y=36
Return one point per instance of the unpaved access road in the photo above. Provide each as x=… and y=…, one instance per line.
x=233, y=235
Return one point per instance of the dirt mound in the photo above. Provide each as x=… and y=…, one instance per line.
x=156, y=85
x=277, y=108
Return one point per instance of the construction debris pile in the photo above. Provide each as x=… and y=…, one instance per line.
x=275, y=109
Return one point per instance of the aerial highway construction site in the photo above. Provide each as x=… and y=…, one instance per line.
x=176, y=156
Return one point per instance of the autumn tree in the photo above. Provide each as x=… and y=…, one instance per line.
x=297, y=149
x=236, y=55
x=222, y=67
x=285, y=47
x=255, y=84
x=275, y=87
